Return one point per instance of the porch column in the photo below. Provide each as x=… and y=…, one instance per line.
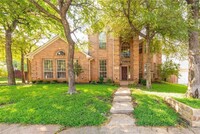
x=136, y=59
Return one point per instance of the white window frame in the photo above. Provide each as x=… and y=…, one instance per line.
x=47, y=71
x=100, y=71
x=60, y=71
x=102, y=41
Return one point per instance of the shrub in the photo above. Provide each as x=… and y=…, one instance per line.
x=93, y=82
x=168, y=68
x=143, y=81
x=39, y=81
x=54, y=81
x=101, y=79
x=64, y=81
x=109, y=81
x=78, y=69
x=46, y=82
x=34, y=81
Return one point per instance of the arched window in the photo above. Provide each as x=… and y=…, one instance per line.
x=102, y=40
x=125, y=50
x=60, y=53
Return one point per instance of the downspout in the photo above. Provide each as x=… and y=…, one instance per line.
x=113, y=59
x=89, y=71
x=90, y=59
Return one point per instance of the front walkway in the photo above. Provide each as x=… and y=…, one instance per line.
x=121, y=122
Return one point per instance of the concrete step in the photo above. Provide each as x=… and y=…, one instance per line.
x=121, y=120
x=122, y=99
x=123, y=83
x=121, y=108
x=123, y=92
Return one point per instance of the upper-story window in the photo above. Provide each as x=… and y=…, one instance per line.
x=60, y=53
x=125, y=50
x=102, y=40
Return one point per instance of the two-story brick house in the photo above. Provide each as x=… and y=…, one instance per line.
x=108, y=57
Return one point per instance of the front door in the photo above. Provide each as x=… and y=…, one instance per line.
x=124, y=73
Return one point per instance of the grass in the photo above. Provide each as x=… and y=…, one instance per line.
x=151, y=110
x=49, y=104
x=3, y=80
x=166, y=87
x=195, y=103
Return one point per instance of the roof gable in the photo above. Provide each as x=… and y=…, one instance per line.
x=48, y=43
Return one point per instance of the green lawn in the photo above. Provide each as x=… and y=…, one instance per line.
x=3, y=80
x=151, y=110
x=166, y=87
x=49, y=104
x=195, y=103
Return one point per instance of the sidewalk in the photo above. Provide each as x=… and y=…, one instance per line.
x=121, y=122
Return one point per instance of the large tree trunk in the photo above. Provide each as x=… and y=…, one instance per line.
x=194, y=53
x=148, y=64
x=22, y=66
x=9, y=62
x=70, y=65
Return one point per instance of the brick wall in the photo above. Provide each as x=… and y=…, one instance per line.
x=50, y=53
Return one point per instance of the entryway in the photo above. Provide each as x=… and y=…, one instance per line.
x=124, y=73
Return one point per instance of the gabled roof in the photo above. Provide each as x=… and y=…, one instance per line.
x=39, y=49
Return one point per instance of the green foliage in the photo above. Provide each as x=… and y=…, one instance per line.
x=143, y=81
x=109, y=81
x=121, y=15
x=101, y=80
x=78, y=69
x=50, y=104
x=3, y=72
x=168, y=68
x=54, y=82
x=153, y=111
x=39, y=81
x=93, y=82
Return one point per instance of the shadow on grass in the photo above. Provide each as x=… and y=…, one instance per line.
x=49, y=104
x=151, y=110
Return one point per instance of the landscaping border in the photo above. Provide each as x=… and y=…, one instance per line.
x=192, y=115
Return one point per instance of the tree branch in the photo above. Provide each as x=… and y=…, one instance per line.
x=41, y=9
x=127, y=15
x=66, y=5
x=75, y=29
x=52, y=6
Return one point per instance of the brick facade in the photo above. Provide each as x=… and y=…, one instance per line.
x=116, y=65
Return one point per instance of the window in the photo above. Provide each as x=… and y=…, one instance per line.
x=60, y=53
x=102, y=40
x=125, y=50
x=102, y=68
x=61, y=69
x=48, y=69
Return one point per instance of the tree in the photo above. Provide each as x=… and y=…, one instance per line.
x=24, y=43
x=168, y=68
x=15, y=15
x=145, y=18
x=194, y=50
x=65, y=12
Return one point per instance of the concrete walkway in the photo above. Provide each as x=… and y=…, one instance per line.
x=121, y=122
